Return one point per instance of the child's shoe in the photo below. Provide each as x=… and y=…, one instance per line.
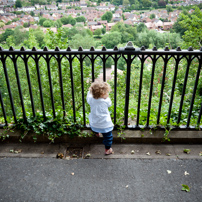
x=98, y=135
x=109, y=151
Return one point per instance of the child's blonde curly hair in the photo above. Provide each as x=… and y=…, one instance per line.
x=99, y=88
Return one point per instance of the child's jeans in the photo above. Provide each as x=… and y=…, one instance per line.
x=108, y=138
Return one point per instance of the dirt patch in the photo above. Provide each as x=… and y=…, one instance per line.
x=74, y=152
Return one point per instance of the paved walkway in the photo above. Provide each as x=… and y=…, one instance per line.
x=100, y=180
x=123, y=177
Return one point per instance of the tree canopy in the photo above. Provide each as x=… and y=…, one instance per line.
x=107, y=16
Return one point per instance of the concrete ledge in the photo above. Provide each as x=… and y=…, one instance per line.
x=130, y=136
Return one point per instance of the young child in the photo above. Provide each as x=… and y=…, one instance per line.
x=99, y=118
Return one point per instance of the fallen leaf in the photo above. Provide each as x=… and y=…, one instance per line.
x=187, y=151
x=74, y=156
x=168, y=154
x=60, y=155
x=158, y=152
x=127, y=186
x=200, y=153
x=11, y=151
x=42, y=152
x=148, y=153
x=19, y=150
x=185, y=188
x=88, y=155
x=186, y=173
x=169, y=171
x=132, y=152
x=16, y=152
x=72, y=173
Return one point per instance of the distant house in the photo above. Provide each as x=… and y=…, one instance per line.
x=8, y=27
x=68, y=26
x=117, y=20
x=128, y=22
x=168, y=25
x=93, y=28
x=110, y=25
x=90, y=24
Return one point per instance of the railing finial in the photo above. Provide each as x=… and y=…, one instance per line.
x=129, y=46
x=178, y=49
x=11, y=48
x=142, y=48
x=69, y=48
x=92, y=48
x=190, y=48
x=80, y=49
x=104, y=48
x=166, y=48
x=34, y=49
x=57, y=49
x=115, y=48
x=45, y=49
x=22, y=48
x=154, y=48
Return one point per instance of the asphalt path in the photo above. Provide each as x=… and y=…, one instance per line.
x=100, y=180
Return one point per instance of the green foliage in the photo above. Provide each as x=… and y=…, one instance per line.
x=6, y=34
x=112, y=39
x=32, y=13
x=177, y=27
x=128, y=33
x=26, y=24
x=18, y=4
x=141, y=27
x=81, y=19
x=107, y=16
x=85, y=41
x=47, y=23
x=49, y=127
x=98, y=32
x=152, y=16
x=193, y=35
x=68, y=20
x=157, y=39
x=41, y=21
x=58, y=23
x=169, y=9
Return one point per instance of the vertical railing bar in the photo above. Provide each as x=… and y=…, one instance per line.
x=93, y=68
x=3, y=108
x=104, y=67
x=50, y=84
x=61, y=85
x=115, y=87
x=30, y=86
x=199, y=117
x=140, y=90
x=82, y=87
x=173, y=89
x=72, y=87
x=184, y=88
x=40, y=86
x=151, y=90
x=194, y=91
x=9, y=89
x=162, y=88
x=19, y=88
x=127, y=90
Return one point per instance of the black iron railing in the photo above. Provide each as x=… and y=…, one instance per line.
x=23, y=68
